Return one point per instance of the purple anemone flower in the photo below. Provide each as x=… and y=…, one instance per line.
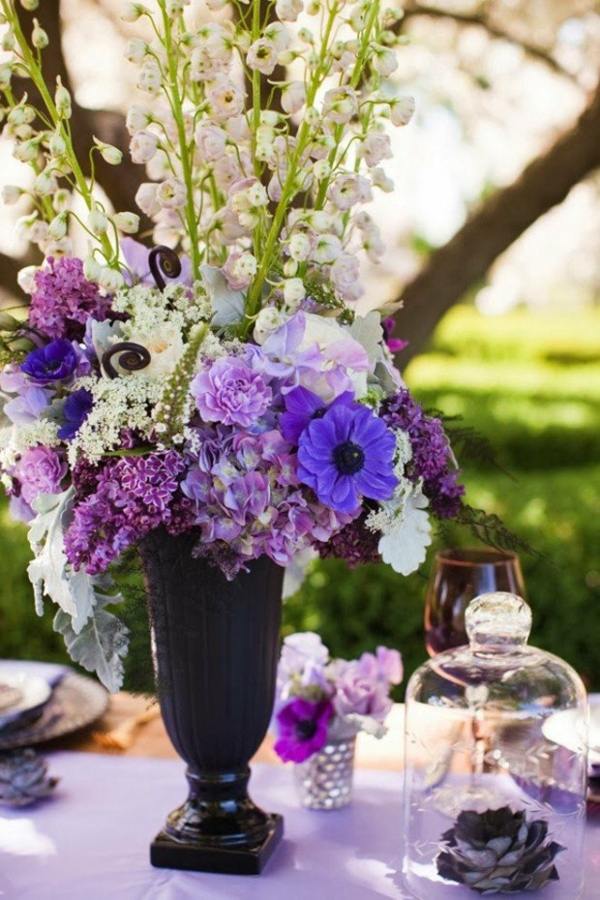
x=75, y=411
x=54, y=362
x=346, y=455
x=302, y=729
x=302, y=406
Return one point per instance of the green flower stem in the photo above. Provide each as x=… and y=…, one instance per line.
x=254, y=295
x=35, y=73
x=184, y=150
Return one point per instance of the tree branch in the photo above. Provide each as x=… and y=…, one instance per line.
x=465, y=259
x=533, y=50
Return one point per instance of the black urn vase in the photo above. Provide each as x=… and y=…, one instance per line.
x=216, y=645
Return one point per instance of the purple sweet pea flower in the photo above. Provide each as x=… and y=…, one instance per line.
x=384, y=665
x=57, y=361
x=346, y=455
x=31, y=399
x=359, y=694
x=136, y=260
x=231, y=392
x=394, y=345
x=302, y=406
x=75, y=411
x=39, y=471
x=302, y=729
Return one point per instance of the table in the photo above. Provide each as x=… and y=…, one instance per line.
x=91, y=841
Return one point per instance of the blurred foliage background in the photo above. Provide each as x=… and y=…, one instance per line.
x=531, y=383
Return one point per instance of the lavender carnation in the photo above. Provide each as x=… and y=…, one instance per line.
x=39, y=471
x=63, y=300
x=231, y=392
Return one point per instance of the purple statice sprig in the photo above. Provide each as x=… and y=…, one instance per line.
x=318, y=696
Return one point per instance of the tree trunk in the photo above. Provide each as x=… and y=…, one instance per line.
x=465, y=259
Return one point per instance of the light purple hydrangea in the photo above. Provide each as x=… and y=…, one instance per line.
x=231, y=392
x=40, y=470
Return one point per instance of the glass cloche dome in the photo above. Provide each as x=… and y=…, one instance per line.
x=496, y=765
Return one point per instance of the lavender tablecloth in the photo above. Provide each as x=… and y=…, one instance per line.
x=91, y=841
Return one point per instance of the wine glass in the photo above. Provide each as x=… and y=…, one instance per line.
x=459, y=576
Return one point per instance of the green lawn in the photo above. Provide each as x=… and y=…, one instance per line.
x=531, y=384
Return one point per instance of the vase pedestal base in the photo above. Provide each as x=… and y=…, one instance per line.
x=167, y=853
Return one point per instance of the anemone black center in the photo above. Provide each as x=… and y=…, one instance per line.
x=348, y=458
x=305, y=729
x=319, y=413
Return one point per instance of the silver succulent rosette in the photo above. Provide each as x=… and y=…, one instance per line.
x=325, y=780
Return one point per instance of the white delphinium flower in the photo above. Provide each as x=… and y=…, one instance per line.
x=268, y=320
x=278, y=35
x=288, y=10
x=210, y=142
x=150, y=78
x=385, y=61
x=299, y=246
x=225, y=99
x=110, y=279
x=262, y=56
x=327, y=248
x=375, y=148
x=349, y=189
x=171, y=193
x=26, y=279
x=133, y=12
x=138, y=119
x=340, y=105
x=57, y=228
x=293, y=97
x=97, y=220
x=204, y=67
x=239, y=270
x=345, y=275
x=402, y=110
x=146, y=198
x=137, y=50
x=111, y=155
x=143, y=146
x=371, y=236
x=11, y=194
x=246, y=200
x=382, y=181
x=39, y=38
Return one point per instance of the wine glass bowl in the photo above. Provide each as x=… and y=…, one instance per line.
x=458, y=576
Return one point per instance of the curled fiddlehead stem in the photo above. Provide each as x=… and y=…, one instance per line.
x=163, y=263
x=131, y=357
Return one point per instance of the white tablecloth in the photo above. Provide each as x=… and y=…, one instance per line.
x=91, y=841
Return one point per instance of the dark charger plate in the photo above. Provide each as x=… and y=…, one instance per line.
x=76, y=701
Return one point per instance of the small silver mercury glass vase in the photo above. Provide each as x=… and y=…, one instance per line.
x=324, y=781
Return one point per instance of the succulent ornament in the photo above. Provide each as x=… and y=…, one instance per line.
x=498, y=852
x=24, y=778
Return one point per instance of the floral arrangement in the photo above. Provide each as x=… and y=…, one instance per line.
x=223, y=382
x=319, y=699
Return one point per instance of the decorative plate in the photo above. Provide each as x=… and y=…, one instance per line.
x=76, y=702
x=22, y=699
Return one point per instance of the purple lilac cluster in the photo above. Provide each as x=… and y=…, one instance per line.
x=64, y=300
x=130, y=498
x=317, y=694
x=431, y=454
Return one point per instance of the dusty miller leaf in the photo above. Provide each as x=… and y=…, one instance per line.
x=228, y=305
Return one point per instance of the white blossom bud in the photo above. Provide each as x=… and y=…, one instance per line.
x=27, y=151
x=61, y=200
x=133, y=12
x=110, y=279
x=143, y=146
x=311, y=116
x=6, y=72
x=313, y=7
x=385, y=61
x=91, y=268
x=39, y=38
x=321, y=169
x=56, y=144
x=127, y=222
x=290, y=267
x=30, y=5
x=381, y=180
x=26, y=279
x=111, y=155
x=146, y=198
x=138, y=118
x=62, y=100
x=21, y=115
x=293, y=97
x=293, y=291
x=137, y=50
x=97, y=221
x=7, y=43
x=299, y=246
x=268, y=320
x=45, y=184
x=150, y=77
x=11, y=194
x=58, y=226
